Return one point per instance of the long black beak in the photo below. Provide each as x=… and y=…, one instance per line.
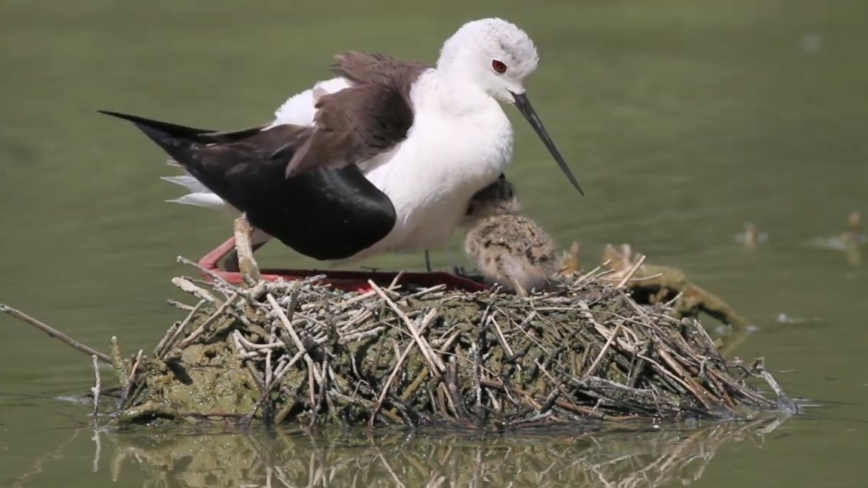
x=527, y=110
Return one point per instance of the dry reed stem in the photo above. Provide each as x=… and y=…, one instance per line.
x=131, y=382
x=287, y=325
x=631, y=272
x=55, y=333
x=207, y=323
x=246, y=262
x=425, y=322
x=168, y=341
x=436, y=364
x=118, y=363
x=187, y=286
x=603, y=351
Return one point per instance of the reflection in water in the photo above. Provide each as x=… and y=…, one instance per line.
x=39, y=464
x=619, y=459
x=848, y=242
x=751, y=236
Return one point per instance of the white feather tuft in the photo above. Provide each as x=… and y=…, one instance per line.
x=188, y=182
x=299, y=109
x=208, y=200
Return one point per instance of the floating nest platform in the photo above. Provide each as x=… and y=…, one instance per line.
x=305, y=353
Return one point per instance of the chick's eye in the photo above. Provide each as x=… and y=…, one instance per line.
x=498, y=66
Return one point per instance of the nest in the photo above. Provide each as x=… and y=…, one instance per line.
x=301, y=352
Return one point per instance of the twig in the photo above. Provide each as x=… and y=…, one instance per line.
x=207, y=323
x=118, y=362
x=131, y=383
x=646, y=278
x=395, y=280
x=631, y=272
x=632, y=303
x=437, y=366
x=179, y=305
x=287, y=325
x=246, y=262
x=189, y=287
x=322, y=395
x=169, y=339
x=213, y=275
x=361, y=335
x=602, y=352
x=589, y=274
x=55, y=333
x=425, y=321
x=500, y=336
x=779, y=392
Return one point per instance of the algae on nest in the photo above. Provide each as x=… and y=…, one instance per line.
x=203, y=378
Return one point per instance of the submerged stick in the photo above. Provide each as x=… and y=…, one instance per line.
x=759, y=367
x=55, y=333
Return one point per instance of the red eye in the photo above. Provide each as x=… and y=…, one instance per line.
x=498, y=66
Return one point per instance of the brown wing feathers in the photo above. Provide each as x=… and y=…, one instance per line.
x=363, y=68
x=363, y=120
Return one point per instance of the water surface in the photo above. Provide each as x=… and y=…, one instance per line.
x=682, y=119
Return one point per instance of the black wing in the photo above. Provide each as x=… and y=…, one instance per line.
x=324, y=213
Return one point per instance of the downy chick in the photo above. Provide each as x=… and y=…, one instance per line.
x=509, y=249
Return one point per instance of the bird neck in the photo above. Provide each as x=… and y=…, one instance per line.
x=455, y=93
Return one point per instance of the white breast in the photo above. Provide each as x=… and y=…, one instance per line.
x=447, y=157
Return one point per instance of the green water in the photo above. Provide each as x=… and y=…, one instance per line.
x=683, y=119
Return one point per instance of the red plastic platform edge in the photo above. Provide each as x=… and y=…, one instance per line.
x=343, y=280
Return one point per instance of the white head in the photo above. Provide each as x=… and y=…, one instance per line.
x=493, y=54
x=496, y=57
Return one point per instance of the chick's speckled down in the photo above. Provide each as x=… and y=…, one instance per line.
x=509, y=249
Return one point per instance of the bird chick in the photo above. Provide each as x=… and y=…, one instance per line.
x=509, y=249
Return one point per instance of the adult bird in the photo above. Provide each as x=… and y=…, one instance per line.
x=382, y=158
